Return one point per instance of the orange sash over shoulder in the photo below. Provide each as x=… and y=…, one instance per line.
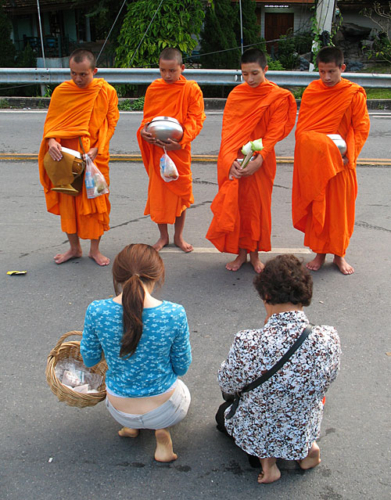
x=327, y=110
x=182, y=100
x=267, y=112
x=92, y=114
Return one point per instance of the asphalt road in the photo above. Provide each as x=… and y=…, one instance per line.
x=21, y=132
x=52, y=451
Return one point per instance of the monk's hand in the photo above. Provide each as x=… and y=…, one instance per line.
x=93, y=153
x=252, y=166
x=55, y=149
x=147, y=136
x=235, y=172
x=170, y=144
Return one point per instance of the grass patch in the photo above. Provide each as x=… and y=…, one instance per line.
x=4, y=103
x=128, y=105
x=378, y=93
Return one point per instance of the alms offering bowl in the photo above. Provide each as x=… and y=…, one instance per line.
x=339, y=142
x=165, y=127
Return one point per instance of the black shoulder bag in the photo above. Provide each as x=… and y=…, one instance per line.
x=257, y=382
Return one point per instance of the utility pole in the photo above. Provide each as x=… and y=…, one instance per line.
x=324, y=19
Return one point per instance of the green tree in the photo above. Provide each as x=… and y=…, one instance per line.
x=176, y=24
x=8, y=51
x=219, y=47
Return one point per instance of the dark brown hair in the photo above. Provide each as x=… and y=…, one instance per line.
x=135, y=265
x=330, y=55
x=79, y=55
x=254, y=56
x=171, y=54
x=284, y=280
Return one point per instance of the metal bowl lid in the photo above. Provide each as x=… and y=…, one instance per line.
x=166, y=119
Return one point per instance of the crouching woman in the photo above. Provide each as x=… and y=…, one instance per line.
x=146, y=345
x=281, y=417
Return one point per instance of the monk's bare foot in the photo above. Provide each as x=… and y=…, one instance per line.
x=270, y=472
x=181, y=243
x=99, y=258
x=129, y=433
x=161, y=243
x=60, y=258
x=236, y=264
x=312, y=459
x=342, y=265
x=256, y=263
x=317, y=263
x=164, y=451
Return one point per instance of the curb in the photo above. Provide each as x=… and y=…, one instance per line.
x=211, y=104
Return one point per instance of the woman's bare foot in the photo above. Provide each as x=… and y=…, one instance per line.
x=60, y=258
x=164, y=451
x=128, y=433
x=99, y=258
x=270, y=472
x=317, y=263
x=161, y=243
x=181, y=243
x=342, y=265
x=256, y=263
x=236, y=264
x=312, y=459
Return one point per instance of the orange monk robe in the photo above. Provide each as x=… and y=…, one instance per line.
x=324, y=190
x=242, y=208
x=92, y=114
x=181, y=100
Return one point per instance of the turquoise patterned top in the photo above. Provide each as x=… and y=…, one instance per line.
x=162, y=354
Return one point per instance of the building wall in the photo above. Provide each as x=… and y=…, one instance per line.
x=301, y=20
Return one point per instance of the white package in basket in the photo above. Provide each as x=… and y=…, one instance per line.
x=168, y=170
x=76, y=376
x=96, y=184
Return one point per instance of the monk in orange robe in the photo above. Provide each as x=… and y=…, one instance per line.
x=85, y=108
x=324, y=181
x=255, y=109
x=173, y=96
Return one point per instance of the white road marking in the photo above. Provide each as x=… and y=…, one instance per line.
x=214, y=250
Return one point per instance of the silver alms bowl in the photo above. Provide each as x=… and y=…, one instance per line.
x=165, y=127
x=339, y=142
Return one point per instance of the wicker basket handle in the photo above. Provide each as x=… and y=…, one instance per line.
x=56, y=348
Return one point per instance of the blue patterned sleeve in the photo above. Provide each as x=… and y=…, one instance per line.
x=181, y=349
x=90, y=347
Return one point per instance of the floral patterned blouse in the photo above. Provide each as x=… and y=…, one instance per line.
x=281, y=418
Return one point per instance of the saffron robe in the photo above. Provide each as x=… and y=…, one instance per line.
x=242, y=207
x=324, y=189
x=182, y=100
x=92, y=114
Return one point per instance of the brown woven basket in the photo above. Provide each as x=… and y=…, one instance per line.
x=64, y=350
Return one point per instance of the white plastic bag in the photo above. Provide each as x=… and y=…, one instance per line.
x=95, y=182
x=168, y=170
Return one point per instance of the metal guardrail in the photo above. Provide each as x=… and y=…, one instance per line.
x=140, y=76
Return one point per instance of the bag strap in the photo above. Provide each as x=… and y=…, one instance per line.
x=260, y=380
x=280, y=363
x=81, y=145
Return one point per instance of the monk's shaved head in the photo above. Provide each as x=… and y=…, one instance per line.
x=80, y=55
x=171, y=54
x=330, y=55
x=254, y=56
